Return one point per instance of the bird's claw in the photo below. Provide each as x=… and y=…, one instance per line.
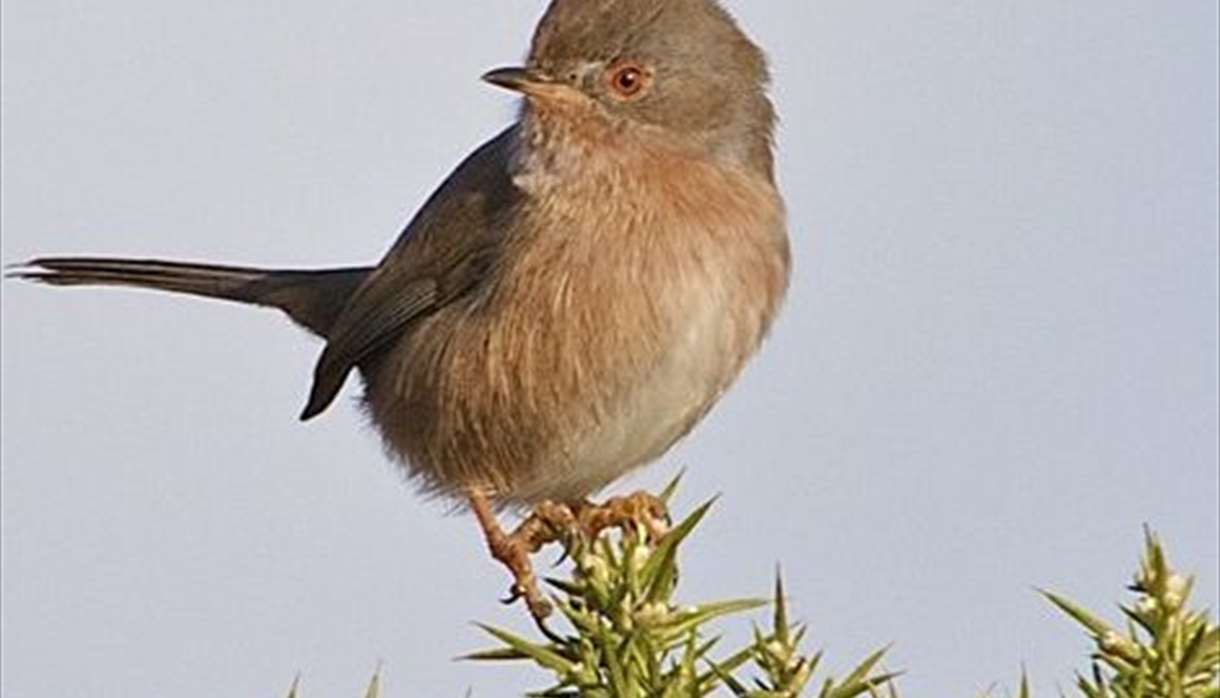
x=551, y=523
x=641, y=508
x=515, y=594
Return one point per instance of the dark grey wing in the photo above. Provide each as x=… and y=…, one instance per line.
x=447, y=250
x=376, y=323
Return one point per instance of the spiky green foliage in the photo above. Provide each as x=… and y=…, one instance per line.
x=1163, y=650
x=373, y=690
x=629, y=638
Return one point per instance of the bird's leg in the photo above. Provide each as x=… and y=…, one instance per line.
x=641, y=508
x=546, y=524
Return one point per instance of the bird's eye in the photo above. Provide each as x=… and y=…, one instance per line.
x=627, y=80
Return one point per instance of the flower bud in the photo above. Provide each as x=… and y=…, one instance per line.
x=652, y=614
x=1176, y=588
x=639, y=557
x=1114, y=644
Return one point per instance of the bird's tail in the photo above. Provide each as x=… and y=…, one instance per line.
x=312, y=298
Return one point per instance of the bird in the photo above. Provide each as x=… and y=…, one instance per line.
x=577, y=294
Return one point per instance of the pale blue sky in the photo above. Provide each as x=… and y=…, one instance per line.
x=997, y=361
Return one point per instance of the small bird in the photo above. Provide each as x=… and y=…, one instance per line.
x=577, y=294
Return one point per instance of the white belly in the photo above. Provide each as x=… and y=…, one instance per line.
x=696, y=369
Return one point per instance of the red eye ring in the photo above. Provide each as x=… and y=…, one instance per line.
x=627, y=80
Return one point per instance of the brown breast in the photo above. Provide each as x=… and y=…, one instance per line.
x=627, y=302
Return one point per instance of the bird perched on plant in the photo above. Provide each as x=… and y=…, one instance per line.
x=581, y=289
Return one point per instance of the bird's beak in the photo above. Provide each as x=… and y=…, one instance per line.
x=525, y=80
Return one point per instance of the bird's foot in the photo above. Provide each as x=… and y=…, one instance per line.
x=639, y=509
x=548, y=523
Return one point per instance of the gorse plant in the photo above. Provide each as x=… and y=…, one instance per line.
x=1163, y=649
x=627, y=637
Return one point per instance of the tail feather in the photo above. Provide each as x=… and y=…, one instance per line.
x=312, y=298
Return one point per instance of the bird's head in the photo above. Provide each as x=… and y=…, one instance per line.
x=624, y=72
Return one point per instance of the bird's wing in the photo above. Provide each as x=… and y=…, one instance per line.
x=446, y=251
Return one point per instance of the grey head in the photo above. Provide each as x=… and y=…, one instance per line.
x=679, y=67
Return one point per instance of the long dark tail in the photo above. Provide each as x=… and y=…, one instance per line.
x=312, y=298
